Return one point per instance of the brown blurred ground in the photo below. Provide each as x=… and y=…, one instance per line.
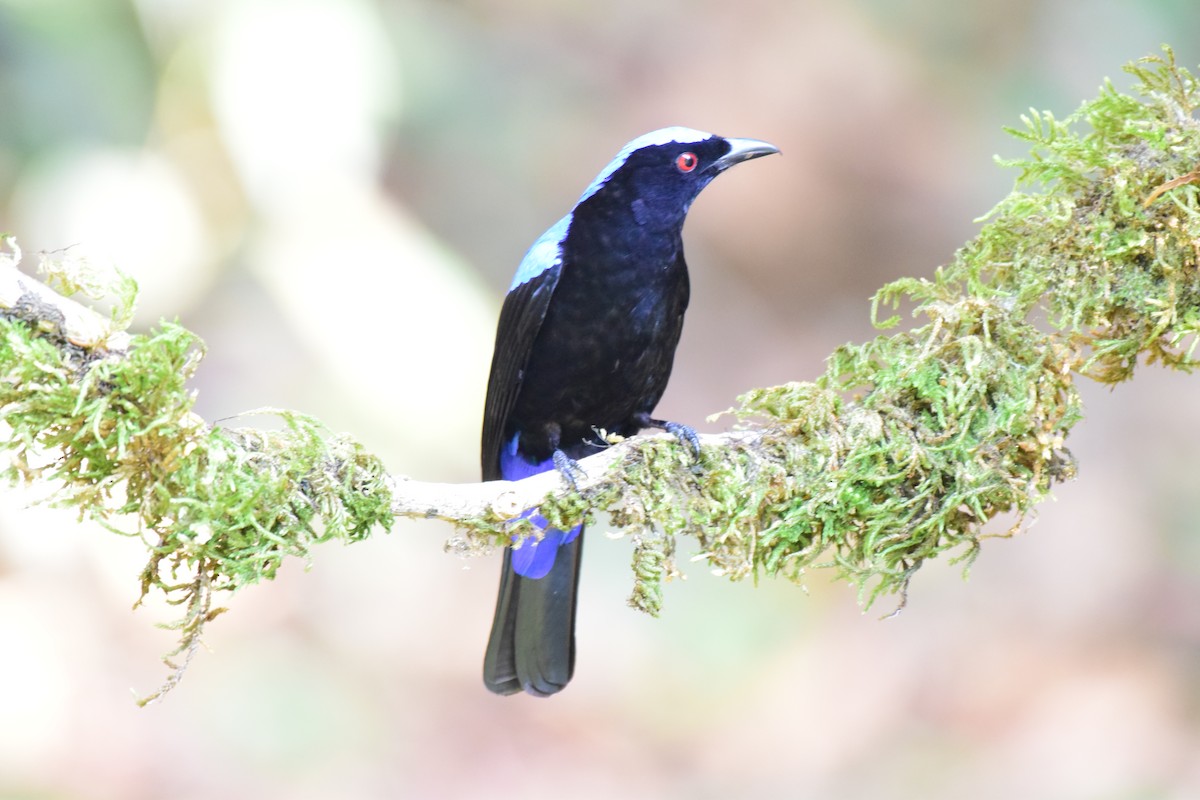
x=335, y=194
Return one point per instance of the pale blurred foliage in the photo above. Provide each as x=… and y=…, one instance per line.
x=334, y=194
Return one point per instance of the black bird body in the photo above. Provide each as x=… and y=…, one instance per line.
x=604, y=352
x=585, y=343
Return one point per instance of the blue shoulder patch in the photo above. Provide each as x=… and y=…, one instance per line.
x=660, y=136
x=543, y=254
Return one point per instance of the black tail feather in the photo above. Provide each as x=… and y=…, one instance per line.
x=532, y=645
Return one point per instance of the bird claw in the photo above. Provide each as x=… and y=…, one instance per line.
x=686, y=435
x=569, y=469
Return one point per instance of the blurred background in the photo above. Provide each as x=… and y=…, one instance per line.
x=335, y=193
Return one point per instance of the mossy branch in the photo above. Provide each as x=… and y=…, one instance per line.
x=903, y=450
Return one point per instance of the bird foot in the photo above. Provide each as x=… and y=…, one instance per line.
x=686, y=434
x=569, y=469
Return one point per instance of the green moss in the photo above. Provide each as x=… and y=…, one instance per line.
x=218, y=509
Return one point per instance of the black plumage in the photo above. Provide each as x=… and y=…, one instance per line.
x=585, y=343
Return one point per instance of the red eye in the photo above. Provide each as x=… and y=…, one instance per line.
x=686, y=162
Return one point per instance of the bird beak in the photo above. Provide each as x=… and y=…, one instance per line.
x=743, y=150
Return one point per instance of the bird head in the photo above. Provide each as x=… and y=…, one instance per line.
x=662, y=172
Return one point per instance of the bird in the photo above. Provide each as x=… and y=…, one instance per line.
x=584, y=348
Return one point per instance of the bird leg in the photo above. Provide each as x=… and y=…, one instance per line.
x=686, y=434
x=569, y=468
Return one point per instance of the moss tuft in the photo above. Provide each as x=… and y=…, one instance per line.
x=218, y=509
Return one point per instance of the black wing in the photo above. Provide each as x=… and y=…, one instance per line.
x=520, y=320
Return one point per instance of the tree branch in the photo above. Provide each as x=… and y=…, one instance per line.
x=902, y=451
x=463, y=502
